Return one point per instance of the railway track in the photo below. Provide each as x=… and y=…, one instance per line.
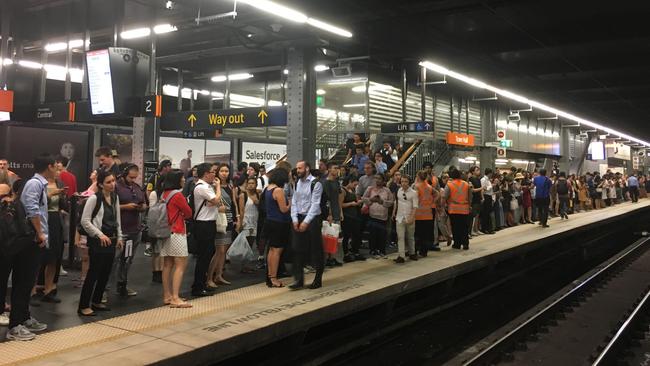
x=596, y=322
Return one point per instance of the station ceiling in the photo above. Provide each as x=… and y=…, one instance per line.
x=590, y=58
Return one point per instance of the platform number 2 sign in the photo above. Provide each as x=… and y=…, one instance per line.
x=151, y=106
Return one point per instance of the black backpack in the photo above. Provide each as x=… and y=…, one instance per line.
x=562, y=187
x=15, y=228
x=80, y=208
x=261, y=207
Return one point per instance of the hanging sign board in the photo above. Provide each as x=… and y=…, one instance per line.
x=501, y=135
x=461, y=139
x=224, y=118
x=501, y=152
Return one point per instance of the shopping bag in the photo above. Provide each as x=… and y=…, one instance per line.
x=330, y=234
x=240, y=250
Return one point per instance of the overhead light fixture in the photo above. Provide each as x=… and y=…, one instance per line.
x=346, y=81
x=164, y=28
x=355, y=105
x=169, y=5
x=371, y=88
x=277, y=9
x=285, y=71
x=328, y=27
x=204, y=92
x=7, y=62
x=320, y=68
x=321, y=92
x=295, y=16
x=136, y=33
x=60, y=46
x=30, y=64
x=242, y=76
x=521, y=99
x=232, y=77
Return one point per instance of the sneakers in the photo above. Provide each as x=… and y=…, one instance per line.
x=261, y=263
x=63, y=272
x=34, y=325
x=4, y=319
x=399, y=260
x=148, y=251
x=310, y=269
x=20, y=333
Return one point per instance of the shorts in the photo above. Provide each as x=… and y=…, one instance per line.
x=476, y=209
x=223, y=239
x=277, y=233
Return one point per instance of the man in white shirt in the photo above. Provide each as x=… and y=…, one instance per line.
x=488, y=202
x=204, y=230
x=404, y=216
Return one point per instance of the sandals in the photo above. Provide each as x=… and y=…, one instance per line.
x=270, y=284
x=182, y=305
x=169, y=302
x=221, y=281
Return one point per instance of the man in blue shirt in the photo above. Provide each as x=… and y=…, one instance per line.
x=542, y=196
x=633, y=187
x=307, y=224
x=34, y=199
x=360, y=158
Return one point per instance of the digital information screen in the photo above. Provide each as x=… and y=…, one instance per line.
x=99, y=82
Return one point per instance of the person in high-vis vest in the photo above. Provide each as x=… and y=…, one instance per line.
x=425, y=233
x=458, y=197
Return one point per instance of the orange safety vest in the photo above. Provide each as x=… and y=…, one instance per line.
x=458, y=200
x=425, y=202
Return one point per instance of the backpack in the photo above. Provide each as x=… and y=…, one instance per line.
x=80, y=208
x=15, y=228
x=158, y=220
x=262, y=183
x=562, y=187
x=192, y=204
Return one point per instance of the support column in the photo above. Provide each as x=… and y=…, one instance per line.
x=301, y=106
x=488, y=130
x=4, y=42
x=565, y=150
x=86, y=48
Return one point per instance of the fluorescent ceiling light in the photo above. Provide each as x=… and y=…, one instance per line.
x=346, y=81
x=53, y=47
x=534, y=104
x=76, y=43
x=295, y=16
x=275, y=103
x=164, y=28
x=277, y=9
x=204, y=92
x=222, y=78
x=371, y=88
x=242, y=76
x=7, y=62
x=321, y=92
x=320, y=68
x=136, y=33
x=217, y=94
x=354, y=105
x=30, y=64
x=285, y=71
x=328, y=27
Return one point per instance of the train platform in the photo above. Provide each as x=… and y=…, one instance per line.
x=237, y=321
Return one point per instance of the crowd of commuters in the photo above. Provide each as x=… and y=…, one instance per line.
x=281, y=213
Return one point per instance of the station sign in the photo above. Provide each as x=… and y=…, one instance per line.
x=501, y=135
x=501, y=152
x=6, y=100
x=493, y=144
x=406, y=127
x=454, y=138
x=224, y=119
x=202, y=134
x=151, y=106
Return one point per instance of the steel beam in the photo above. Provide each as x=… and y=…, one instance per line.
x=301, y=106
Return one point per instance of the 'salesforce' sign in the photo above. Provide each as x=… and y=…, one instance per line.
x=262, y=153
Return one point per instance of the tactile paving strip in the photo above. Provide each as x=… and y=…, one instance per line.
x=48, y=344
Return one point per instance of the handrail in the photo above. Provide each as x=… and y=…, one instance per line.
x=407, y=154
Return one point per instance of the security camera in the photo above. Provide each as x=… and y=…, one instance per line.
x=169, y=5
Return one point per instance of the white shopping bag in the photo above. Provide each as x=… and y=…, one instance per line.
x=240, y=250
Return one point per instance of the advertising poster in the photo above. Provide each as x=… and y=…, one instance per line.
x=121, y=142
x=21, y=144
x=185, y=153
x=265, y=154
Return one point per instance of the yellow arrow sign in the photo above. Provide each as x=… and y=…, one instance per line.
x=191, y=119
x=262, y=115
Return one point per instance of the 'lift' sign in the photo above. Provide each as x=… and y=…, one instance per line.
x=462, y=139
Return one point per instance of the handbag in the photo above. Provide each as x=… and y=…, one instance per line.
x=514, y=205
x=222, y=222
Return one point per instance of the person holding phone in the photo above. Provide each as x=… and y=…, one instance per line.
x=102, y=221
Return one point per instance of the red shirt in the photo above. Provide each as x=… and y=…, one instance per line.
x=177, y=210
x=70, y=181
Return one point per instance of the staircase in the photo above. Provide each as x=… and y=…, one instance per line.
x=424, y=152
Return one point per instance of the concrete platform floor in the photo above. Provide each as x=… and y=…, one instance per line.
x=249, y=313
